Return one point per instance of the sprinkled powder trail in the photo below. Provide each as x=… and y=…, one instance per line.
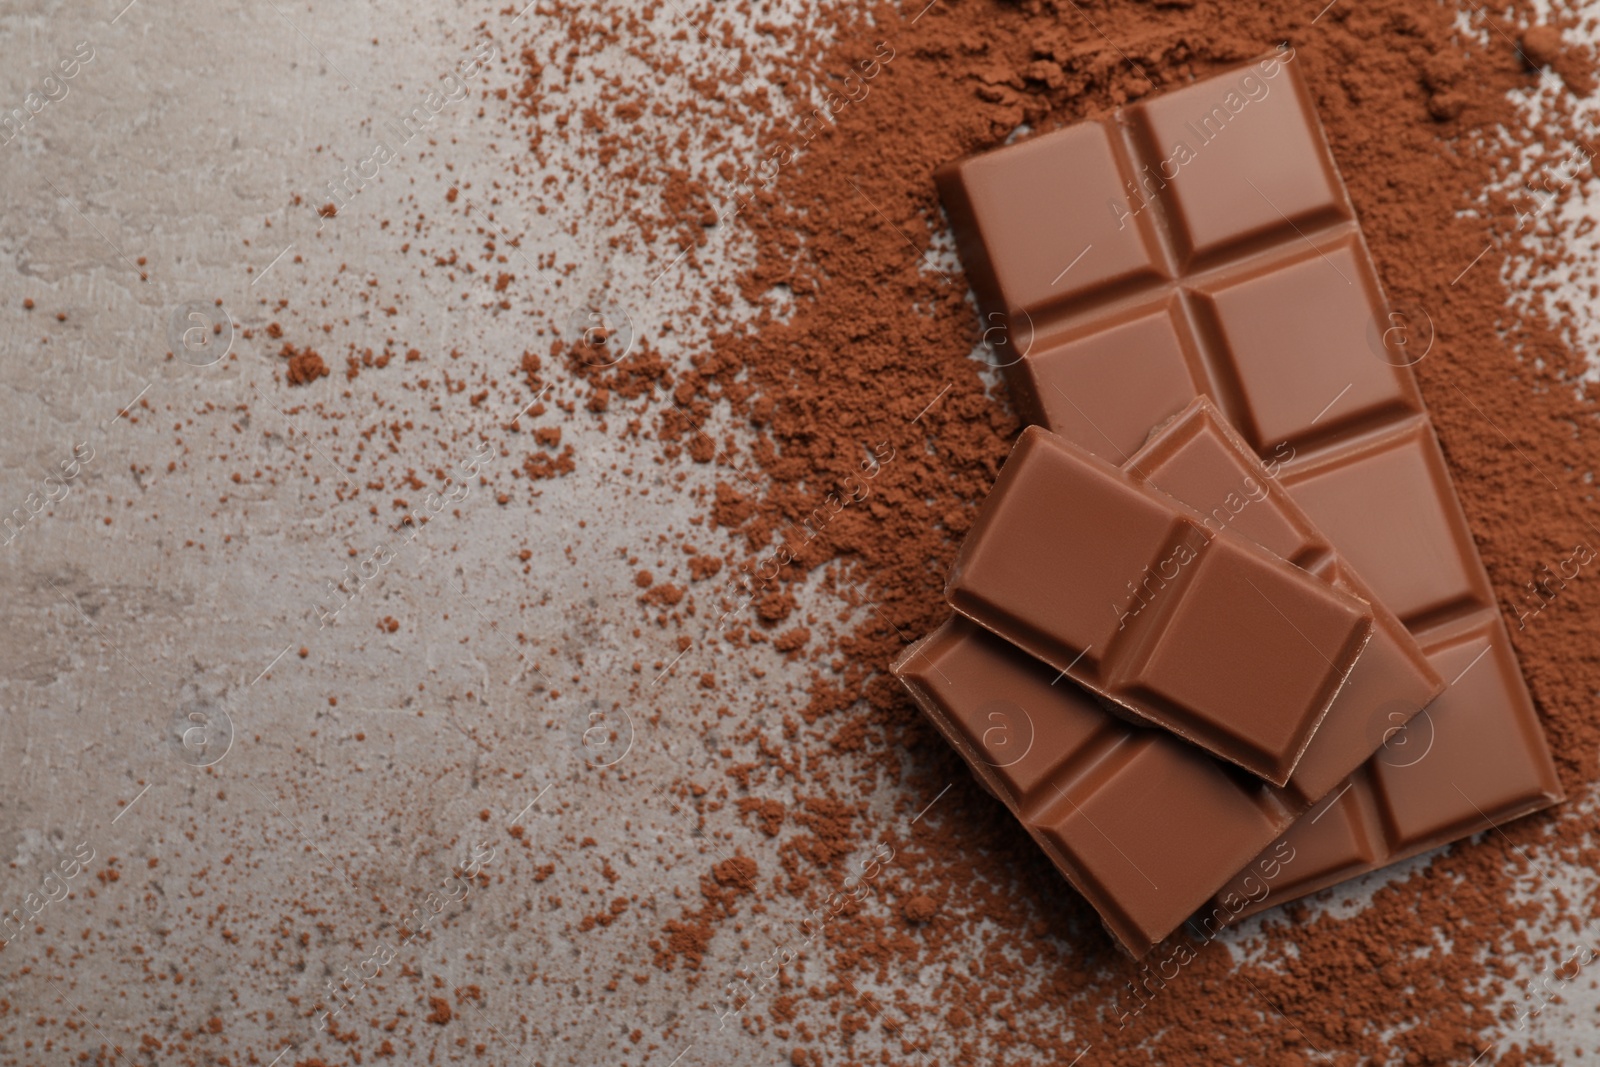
x=875, y=346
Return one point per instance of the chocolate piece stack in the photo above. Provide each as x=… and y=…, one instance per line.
x=1222, y=635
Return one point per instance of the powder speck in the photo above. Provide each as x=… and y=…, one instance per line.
x=919, y=909
x=1541, y=45
x=305, y=365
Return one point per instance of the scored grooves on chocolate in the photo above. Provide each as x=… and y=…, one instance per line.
x=1141, y=598
x=1424, y=792
x=1142, y=883
x=1221, y=306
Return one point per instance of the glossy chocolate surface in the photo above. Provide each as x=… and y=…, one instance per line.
x=1143, y=824
x=1133, y=594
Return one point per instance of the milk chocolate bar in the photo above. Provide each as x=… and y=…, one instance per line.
x=1134, y=595
x=1460, y=767
x=1202, y=243
x=1198, y=459
x=1143, y=824
x=1138, y=821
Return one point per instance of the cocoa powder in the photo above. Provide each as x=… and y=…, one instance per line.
x=877, y=345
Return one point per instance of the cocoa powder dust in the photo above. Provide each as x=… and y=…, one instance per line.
x=865, y=347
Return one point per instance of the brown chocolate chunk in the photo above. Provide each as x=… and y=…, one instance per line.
x=1132, y=594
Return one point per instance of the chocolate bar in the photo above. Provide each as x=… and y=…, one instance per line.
x=1140, y=822
x=1460, y=767
x=1202, y=243
x=1198, y=459
x=1144, y=825
x=1174, y=619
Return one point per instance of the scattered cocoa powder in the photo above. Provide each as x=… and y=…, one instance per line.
x=305, y=365
x=874, y=348
x=441, y=1013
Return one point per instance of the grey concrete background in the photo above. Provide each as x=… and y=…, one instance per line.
x=260, y=820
